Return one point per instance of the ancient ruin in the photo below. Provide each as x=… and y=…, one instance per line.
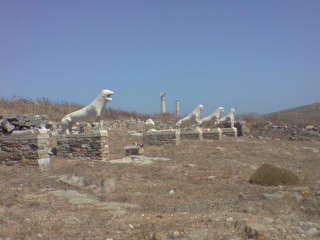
x=192, y=118
x=93, y=112
x=25, y=147
x=214, y=117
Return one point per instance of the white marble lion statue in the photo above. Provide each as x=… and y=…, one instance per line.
x=214, y=117
x=193, y=117
x=228, y=118
x=93, y=112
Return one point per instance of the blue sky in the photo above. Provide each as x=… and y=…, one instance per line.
x=255, y=56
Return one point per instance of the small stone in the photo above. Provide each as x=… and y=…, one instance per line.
x=159, y=236
x=229, y=219
x=171, y=192
x=311, y=231
x=175, y=234
x=212, y=177
x=131, y=226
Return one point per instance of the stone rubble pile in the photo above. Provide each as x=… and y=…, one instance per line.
x=18, y=122
x=269, y=126
x=308, y=133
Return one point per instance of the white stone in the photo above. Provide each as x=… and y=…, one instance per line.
x=93, y=112
x=214, y=117
x=229, y=117
x=193, y=117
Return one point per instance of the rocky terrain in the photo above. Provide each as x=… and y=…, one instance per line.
x=198, y=190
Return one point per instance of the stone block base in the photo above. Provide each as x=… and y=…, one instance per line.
x=89, y=145
x=161, y=137
x=191, y=135
x=229, y=132
x=25, y=147
x=212, y=134
x=133, y=150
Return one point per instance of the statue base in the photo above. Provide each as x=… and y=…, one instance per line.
x=229, y=132
x=162, y=137
x=93, y=145
x=30, y=147
x=212, y=134
x=191, y=135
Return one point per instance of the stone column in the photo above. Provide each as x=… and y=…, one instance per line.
x=177, y=108
x=163, y=103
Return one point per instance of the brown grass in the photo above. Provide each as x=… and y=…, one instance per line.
x=56, y=110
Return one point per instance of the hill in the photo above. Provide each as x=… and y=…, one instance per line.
x=304, y=114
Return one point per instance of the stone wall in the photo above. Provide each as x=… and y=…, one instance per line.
x=307, y=134
x=31, y=147
x=89, y=145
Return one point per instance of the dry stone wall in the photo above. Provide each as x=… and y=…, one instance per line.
x=90, y=145
x=26, y=146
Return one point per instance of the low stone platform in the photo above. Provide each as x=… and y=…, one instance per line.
x=91, y=145
x=162, y=137
x=25, y=147
x=212, y=134
x=133, y=150
x=229, y=132
x=191, y=135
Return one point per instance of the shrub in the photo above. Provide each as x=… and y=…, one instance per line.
x=269, y=175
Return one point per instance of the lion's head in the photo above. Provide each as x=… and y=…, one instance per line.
x=107, y=95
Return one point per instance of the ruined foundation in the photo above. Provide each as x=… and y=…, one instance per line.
x=25, y=147
x=191, y=135
x=91, y=145
x=212, y=134
x=163, y=137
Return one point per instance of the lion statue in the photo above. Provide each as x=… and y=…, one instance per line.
x=214, y=117
x=93, y=112
x=229, y=118
x=193, y=117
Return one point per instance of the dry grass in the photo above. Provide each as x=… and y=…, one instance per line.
x=210, y=180
x=56, y=110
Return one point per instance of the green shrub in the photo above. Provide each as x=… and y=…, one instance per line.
x=269, y=175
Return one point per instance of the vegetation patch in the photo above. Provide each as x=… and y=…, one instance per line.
x=269, y=175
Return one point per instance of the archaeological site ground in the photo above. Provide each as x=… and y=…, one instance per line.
x=197, y=190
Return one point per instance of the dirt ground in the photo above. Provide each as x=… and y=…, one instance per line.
x=198, y=190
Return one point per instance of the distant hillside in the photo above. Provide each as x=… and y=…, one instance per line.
x=308, y=114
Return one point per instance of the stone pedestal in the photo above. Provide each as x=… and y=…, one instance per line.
x=212, y=134
x=26, y=147
x=229, y=132
x=133, y=150
x=91, y=145
x=191, y=135
x=161, y=137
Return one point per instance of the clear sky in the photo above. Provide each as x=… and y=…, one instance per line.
x=253, y=55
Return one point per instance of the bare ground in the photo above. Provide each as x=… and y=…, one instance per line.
x=202, y=192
